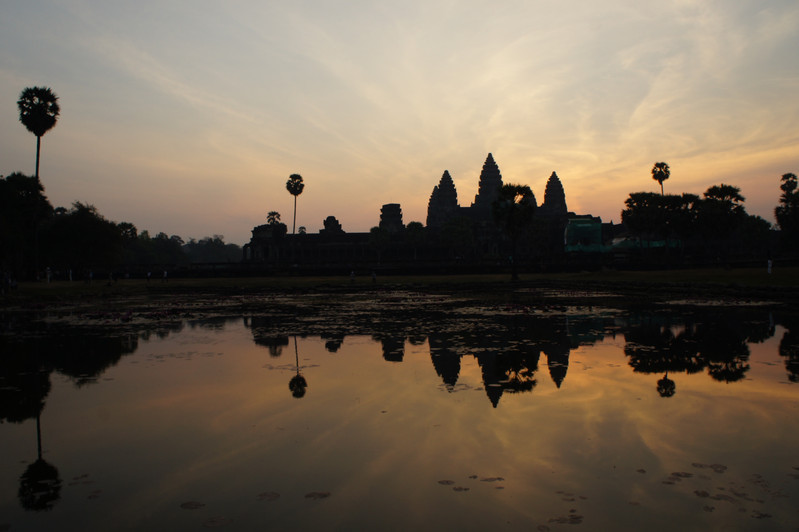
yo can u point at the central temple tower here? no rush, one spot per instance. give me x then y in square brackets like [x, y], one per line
[490, 183]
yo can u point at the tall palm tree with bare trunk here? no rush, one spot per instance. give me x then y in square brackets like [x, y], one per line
[295, 185]
[660, 173]
[38, 112]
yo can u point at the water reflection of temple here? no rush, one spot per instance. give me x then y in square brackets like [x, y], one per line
[509, 349]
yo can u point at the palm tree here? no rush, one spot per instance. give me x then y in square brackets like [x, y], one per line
[273, 218]
[295, 185]
[513, 211]
[38, 112]
[660, 173]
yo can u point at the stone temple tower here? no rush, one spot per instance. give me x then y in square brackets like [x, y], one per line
[443, 204]
[554, 198]
[391, 218]
[490, 183]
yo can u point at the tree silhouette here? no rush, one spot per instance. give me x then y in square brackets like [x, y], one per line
[23, 208]
[787, 212]
[38, 112]
[513, 211]
[415, 236]
[666, 387]
[295, 185]
[660, 173]
[273, 218]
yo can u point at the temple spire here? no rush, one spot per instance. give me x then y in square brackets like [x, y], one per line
[443, 204]
[490, 183]
[554, 198]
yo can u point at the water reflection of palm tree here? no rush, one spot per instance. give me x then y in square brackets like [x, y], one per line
[39, 485]
[666, 387]
[297, 384]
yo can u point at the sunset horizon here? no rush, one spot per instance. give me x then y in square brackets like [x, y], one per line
[189, 118]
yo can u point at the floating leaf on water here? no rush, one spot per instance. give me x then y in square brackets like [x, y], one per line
[718, 468]
[642, 471]
[316, 495]
[460, 488]
[446, 482]
[473, 477]
[217, 521]
[192, 505]
[701, 493]
[759, 515]
[499, 487]
[491, 479]
[268, 496]
[681, 474]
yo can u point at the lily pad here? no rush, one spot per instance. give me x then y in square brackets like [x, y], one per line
[192, 505]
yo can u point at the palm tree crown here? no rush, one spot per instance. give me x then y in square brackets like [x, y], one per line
[38, 109]
[660, 173]
[295, 185]
[38, 112]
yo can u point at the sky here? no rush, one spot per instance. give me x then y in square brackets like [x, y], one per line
[187, 117]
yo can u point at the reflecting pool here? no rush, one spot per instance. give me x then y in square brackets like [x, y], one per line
[499, 418]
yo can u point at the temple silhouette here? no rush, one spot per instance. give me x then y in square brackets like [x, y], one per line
[455, 236]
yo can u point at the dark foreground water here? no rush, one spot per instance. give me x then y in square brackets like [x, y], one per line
[554, 420]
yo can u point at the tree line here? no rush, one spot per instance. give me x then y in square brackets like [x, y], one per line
[35, 236]
[714, 225]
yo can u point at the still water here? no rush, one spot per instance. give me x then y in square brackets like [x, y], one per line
[597, 420]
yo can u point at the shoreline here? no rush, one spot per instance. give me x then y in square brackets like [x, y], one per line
[609, 288]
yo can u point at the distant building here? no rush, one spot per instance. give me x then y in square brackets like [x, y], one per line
[391, 218]
[455, 234]
[443, 204]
